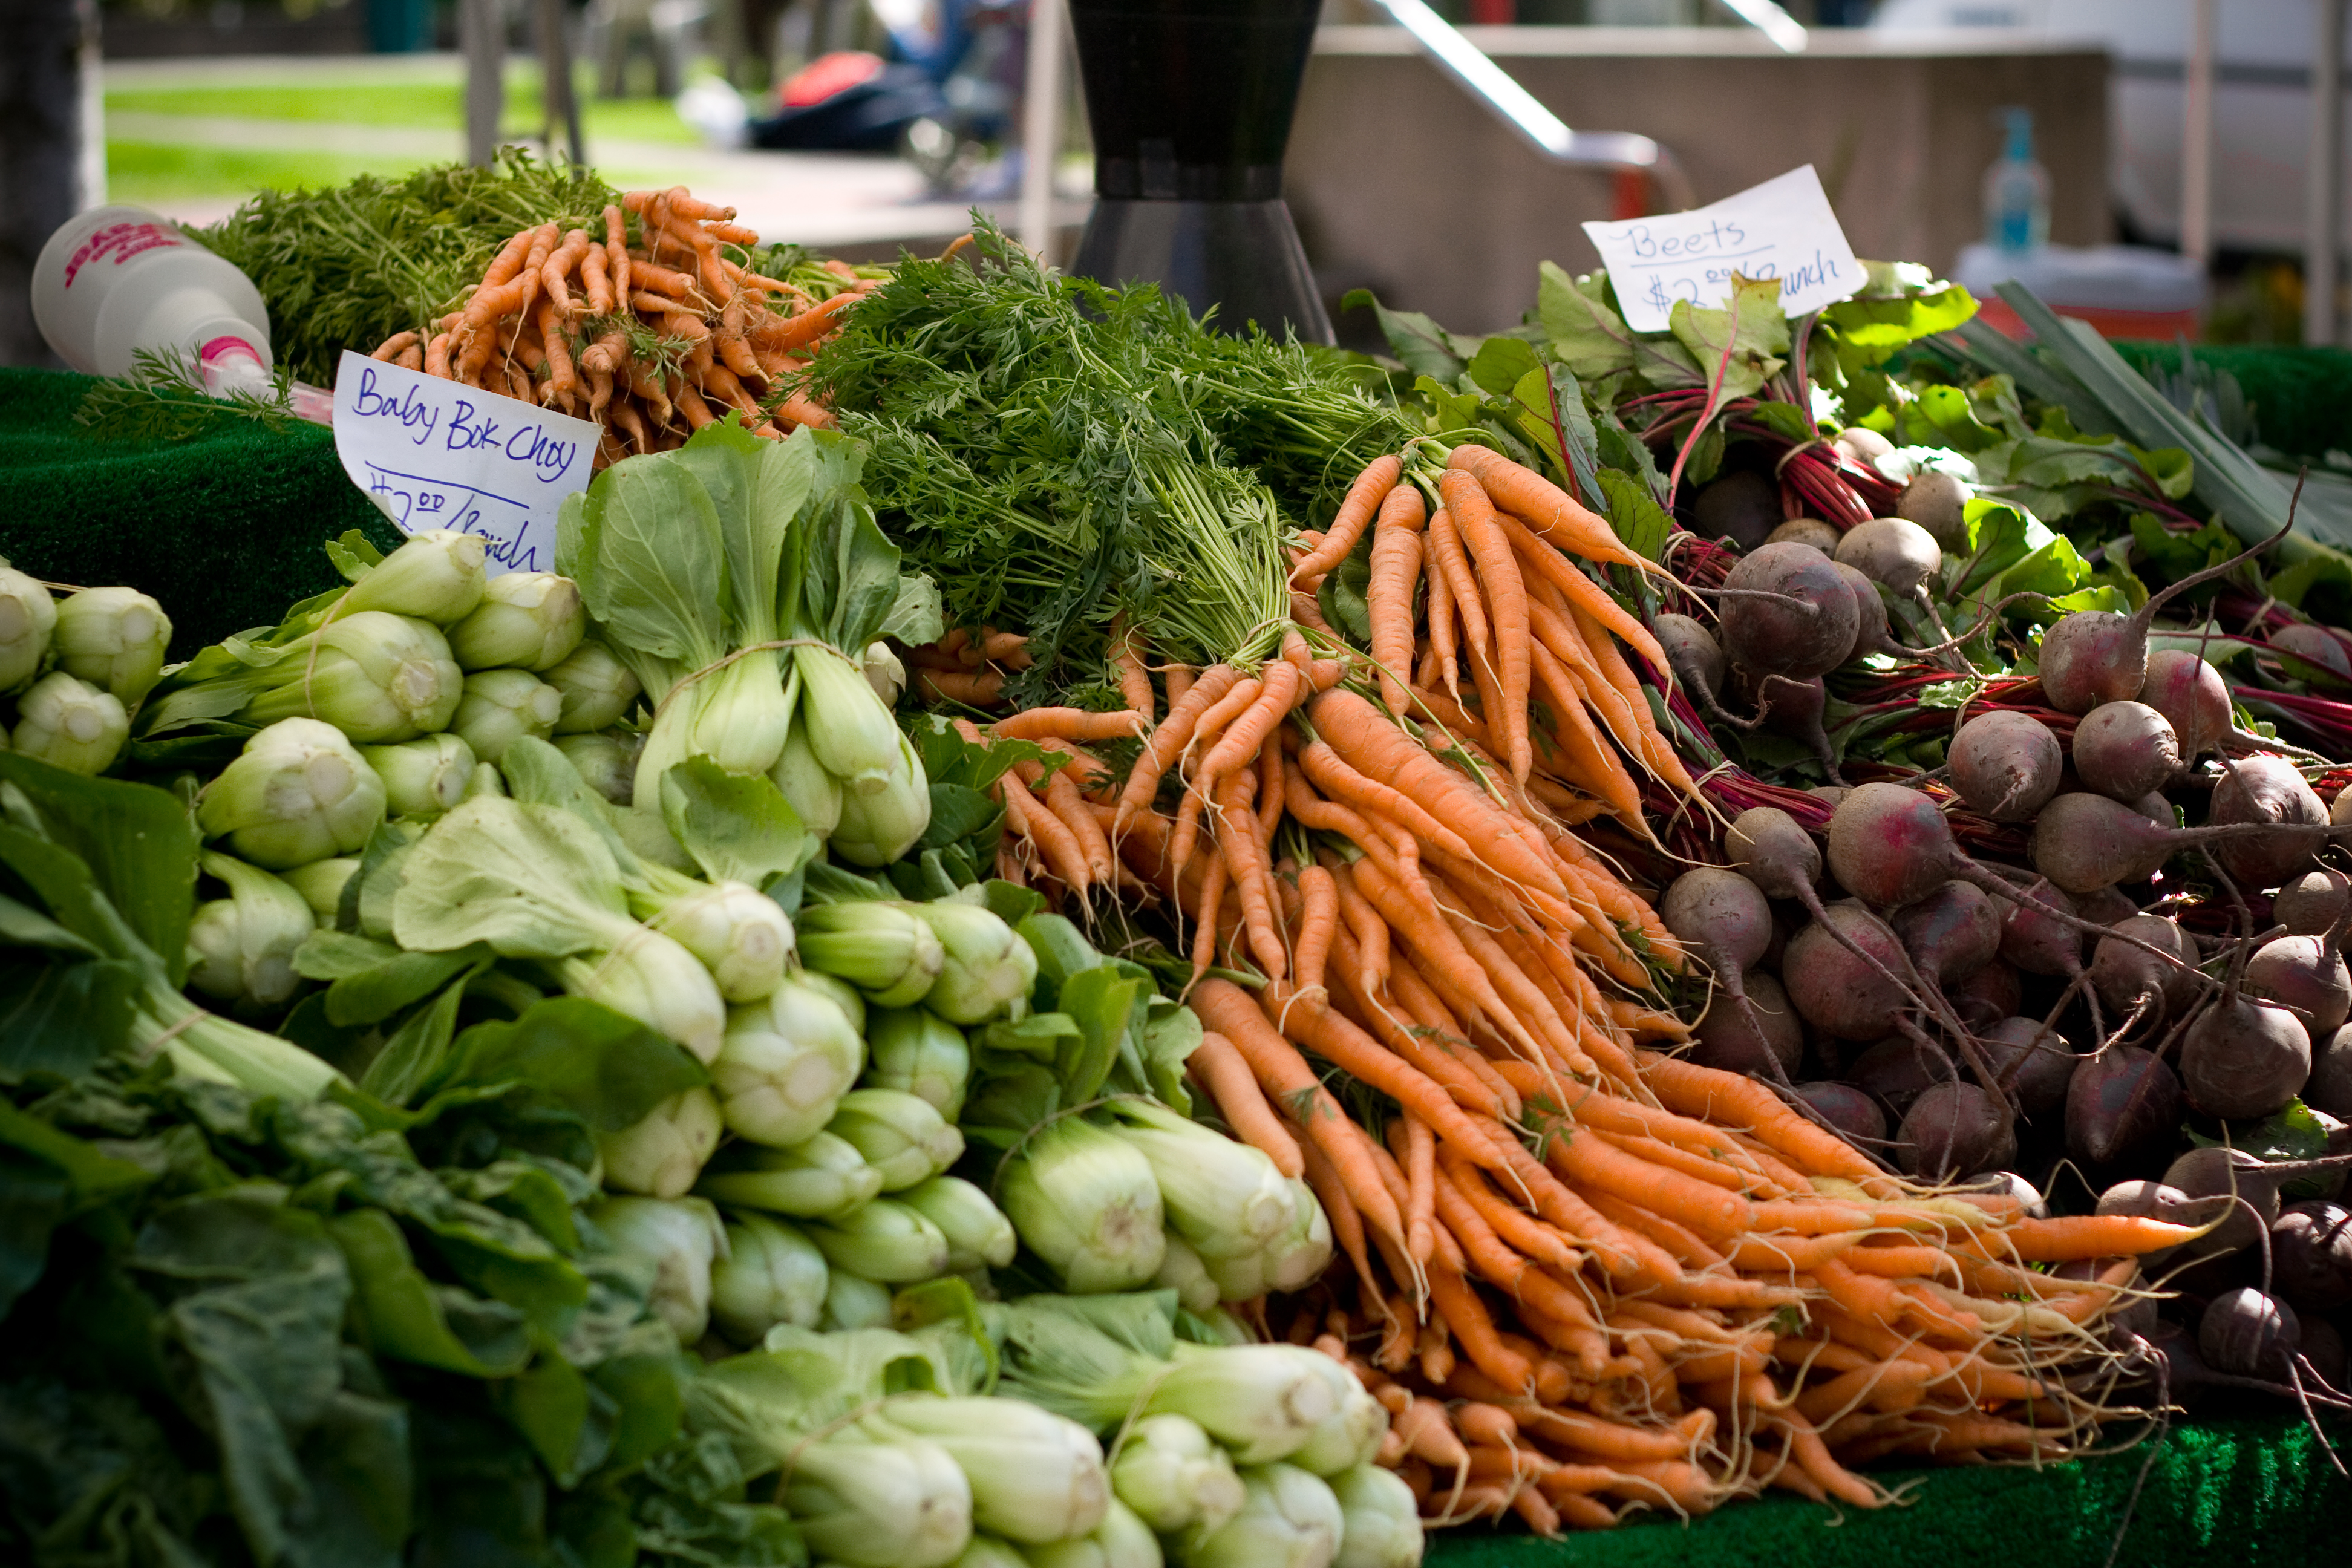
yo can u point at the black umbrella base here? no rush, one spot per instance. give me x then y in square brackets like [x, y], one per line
[1243, 257]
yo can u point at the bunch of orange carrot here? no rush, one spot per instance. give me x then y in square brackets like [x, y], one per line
[1581, 1275]
[650, 329]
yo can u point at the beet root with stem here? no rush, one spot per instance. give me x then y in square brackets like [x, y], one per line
[2306, 976]
[2124, 749]
[2121, 1108]
[2329, 1087]
[2098, 656]
[1757, 1039]
[1955, 1129]
[2249, 1333]
[1938, 503]
[2268, 791]
[2130, 976]
[2038, 943]
[1896, 1072]
[1786, 611]
[1845, 996]
[2243, 1057]
[2006, 764]
[2311, 1256]
[2033, 1063]
[1693, 655]
[2193, 699]
[1850, 1112]
[2239, 1192]
[2307, 905]
[1743, 507]
[1950, 933]
[2083, 842]
[1895, 552]
[1722, 918]
[1984, 998]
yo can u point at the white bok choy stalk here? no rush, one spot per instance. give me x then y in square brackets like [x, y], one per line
[1120, 1541]
[499, 707]
[375, 676]
[660, 1154]
[1183, 1271]
[851, 1302]
[1219, 1193]
[1175, 1476]
[28, 619]
[1246, 1268]
[978, 1233]
[889, 953]
[987, 969]
[786, 1061]
[900, 1135]
[242, 947]
[850, 729]
[114, 638]
[598, 689]
[675, 1241]
[1381, 1520]
[987, 1552]
[1086, 1202]
[1349, 1437]
[770, 1274]
[1035, 1476]
[438, 575]
[875, 827]
[527, 620]
[823, 1178]
[814, 793]
[606, 759]
[321, 885]
[536, 882]
[885, 1241]
[873, 1503]
[298, 792]
[1288, 1518]
[918, 1052]
[423, 778]
[69, 724]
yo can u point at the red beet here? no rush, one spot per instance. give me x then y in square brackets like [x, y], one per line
[1755, 1040]
[2037, 942]
[2268, 790]
[1787, 612]
[2315, 655]
[2249, 1334]
[2244, 1059]
[1722, 917]
[2193, 697]
[2121, 1108]
[1841, 994]
[1991, 994]
[1743, 507]
[1938, 503]
[2006, 764]
[2034, 1064]
[2129, 977]
[2124, 749]
[2307, 905]
[1955, 1129]
[1950, 933]
[2329, 1088]
[1693, 654]
[2306, 976]
[2097, 655]
[2311, 1252]
[1894, 551]
[1898, 1071]
[2084, 842]
[1849, 1111]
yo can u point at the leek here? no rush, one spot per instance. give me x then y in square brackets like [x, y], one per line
[915, 1051]
[822, 1178]
[527, 620]
[900, 1135]
[677, 1241]
[1084, 1201]
[884, 1241]
[785, 1063]
[298, 792]
[114, 638]
[770, 1274]
[423, 778]
[70, 725]
[1175, 1478]
[661, 1154]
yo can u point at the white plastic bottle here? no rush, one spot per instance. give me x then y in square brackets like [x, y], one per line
[116, 279]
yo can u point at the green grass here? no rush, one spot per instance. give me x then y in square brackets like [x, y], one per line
[144, 172]
[430, 106]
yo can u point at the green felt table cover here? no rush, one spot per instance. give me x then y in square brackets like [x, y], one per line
[2302, 398]
[223, 528]
[2246, 1493]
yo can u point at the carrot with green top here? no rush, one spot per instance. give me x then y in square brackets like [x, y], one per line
[1363, 501]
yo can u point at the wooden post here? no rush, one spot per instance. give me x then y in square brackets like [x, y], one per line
[556, 97]
[482, 33]
[2197, 138]
[2323, 243]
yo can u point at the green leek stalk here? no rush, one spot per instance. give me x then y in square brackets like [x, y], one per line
[879, 826]
[375, 676]
[1379, 1519]
[883, 949]
[28, 618]
[597, 688]
[1035, 1476]
[322, 884]
[501, 706]
[678, 1240]
[823, 1178]
[437, 575]
[527, 620]
[1288, 1518]
[69, 724]
[869, 1503]
[243, 946]
[814, 793]
[607, 759]
[114, 638]
[786, 1061]
[423, 778]
[770, 1274]
[1120, 1541]
[661, 1155]
[298, 792]
[916, 1052]
[988, 968]
[1175, 1478]
[900, 1135]
[884, 1241]
[978, 1233]
[1084, 1201]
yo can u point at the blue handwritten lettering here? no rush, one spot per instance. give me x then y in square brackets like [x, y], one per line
[550, 457]
[413, 412]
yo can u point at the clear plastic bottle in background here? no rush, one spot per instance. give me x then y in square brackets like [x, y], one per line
[2017, 189]
[117, 280]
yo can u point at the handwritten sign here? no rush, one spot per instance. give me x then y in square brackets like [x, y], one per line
[1782, 229]
[441, 454]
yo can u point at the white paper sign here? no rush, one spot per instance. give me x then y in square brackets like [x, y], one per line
[441, 454]
[1783, 228]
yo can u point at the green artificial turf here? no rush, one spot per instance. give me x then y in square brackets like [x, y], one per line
[2302, 398]
[223, 528]
[146, 174]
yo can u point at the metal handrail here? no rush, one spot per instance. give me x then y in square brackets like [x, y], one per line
[1501, 95]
